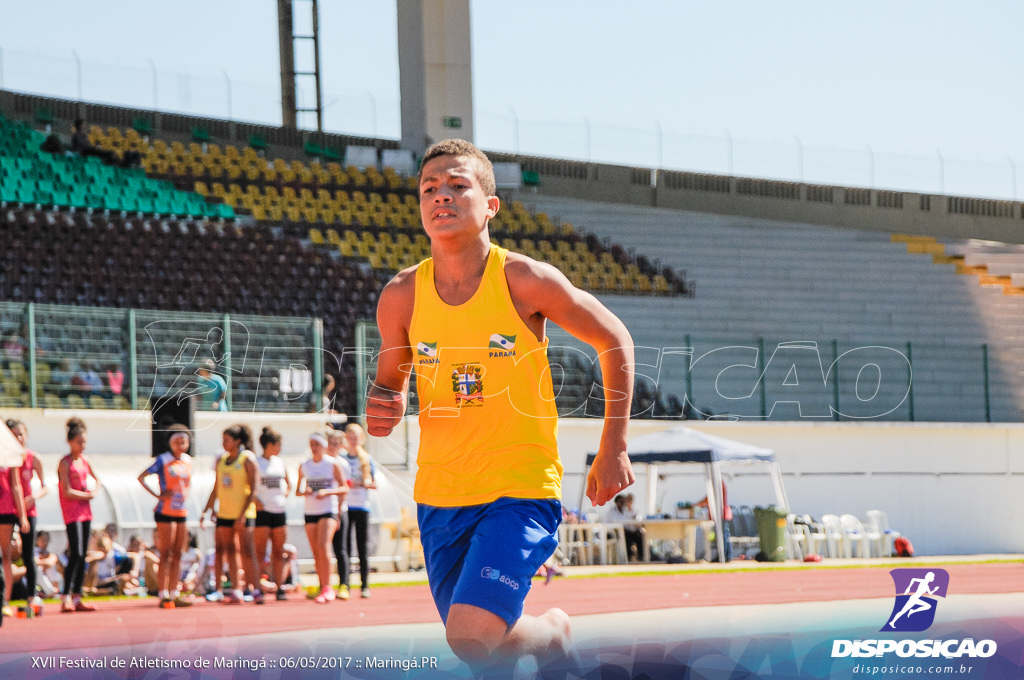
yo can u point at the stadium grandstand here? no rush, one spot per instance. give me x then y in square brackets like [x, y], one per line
[279, 228]
[841, 366]
[265, 248]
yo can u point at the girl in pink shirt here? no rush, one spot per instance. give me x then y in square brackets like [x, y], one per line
[12, 514]
[78, 485]
[31, 468]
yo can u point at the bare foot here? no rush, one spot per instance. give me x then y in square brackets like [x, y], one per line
[561, 647]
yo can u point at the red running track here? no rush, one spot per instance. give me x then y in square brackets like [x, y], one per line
[132, 622]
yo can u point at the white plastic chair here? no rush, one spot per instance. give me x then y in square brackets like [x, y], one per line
[797, 543]
[880, 523]
[815, 535]
[835, 538]
[855, 536]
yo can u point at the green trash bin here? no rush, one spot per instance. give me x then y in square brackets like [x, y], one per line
[771, 529]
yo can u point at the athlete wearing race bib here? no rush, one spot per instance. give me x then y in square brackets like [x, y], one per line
[173, 470]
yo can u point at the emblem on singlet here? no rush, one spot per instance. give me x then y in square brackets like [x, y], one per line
[468, 384]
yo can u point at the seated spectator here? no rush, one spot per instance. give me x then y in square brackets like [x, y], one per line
[291, 567]
[96, 386]
[19, 586]
[192, 566]
[102, 573]
[622, 512]
[15, 348]
[60, 378]
[145, 564]
[49, 570]
[115, 379]
[52, 144]
[81, 145]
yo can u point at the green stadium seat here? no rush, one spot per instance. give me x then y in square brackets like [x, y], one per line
[142, 125]
[257, 142]
[43, 115]
[312, 148]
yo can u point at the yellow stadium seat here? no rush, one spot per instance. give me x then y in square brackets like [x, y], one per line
[315, 235]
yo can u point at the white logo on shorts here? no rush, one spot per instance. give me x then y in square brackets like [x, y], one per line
[495, 575]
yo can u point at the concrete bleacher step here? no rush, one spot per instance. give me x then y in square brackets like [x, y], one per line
[787, 281]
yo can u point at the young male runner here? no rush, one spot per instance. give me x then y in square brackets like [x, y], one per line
[471, 322]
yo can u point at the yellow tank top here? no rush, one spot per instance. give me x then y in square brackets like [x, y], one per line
[234, 487]
[487, 410]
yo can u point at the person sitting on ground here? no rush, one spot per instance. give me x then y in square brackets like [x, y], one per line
[19, 586]
[102, 574]
[145, 564]
[49, 569]
[192, 566]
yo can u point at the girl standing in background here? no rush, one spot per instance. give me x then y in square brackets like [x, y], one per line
[77, 484]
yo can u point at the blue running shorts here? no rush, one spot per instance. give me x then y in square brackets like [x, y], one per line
[486, 555]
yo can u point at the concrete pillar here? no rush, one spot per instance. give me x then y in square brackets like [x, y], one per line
[436, 79]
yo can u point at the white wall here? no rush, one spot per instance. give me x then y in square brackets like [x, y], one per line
[951, 488]
[129, 432]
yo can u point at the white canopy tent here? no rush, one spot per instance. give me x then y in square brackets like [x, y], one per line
[682, 444]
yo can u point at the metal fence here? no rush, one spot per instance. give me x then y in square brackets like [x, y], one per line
[84, 357]
[756, 378]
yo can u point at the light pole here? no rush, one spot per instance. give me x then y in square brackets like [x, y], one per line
[78, 72]
[799, 159]
[586, 122]
[152, 68]
[373, 111]
[728, 147]
[871, 166]
[1013, 177]
[227, 81]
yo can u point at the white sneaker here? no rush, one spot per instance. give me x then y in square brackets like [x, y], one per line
[36, 601]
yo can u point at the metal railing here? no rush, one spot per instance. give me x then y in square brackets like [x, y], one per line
[748, 377]
[56, 356]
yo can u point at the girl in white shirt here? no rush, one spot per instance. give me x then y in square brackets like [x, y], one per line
[322, 483]
[271, 492]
